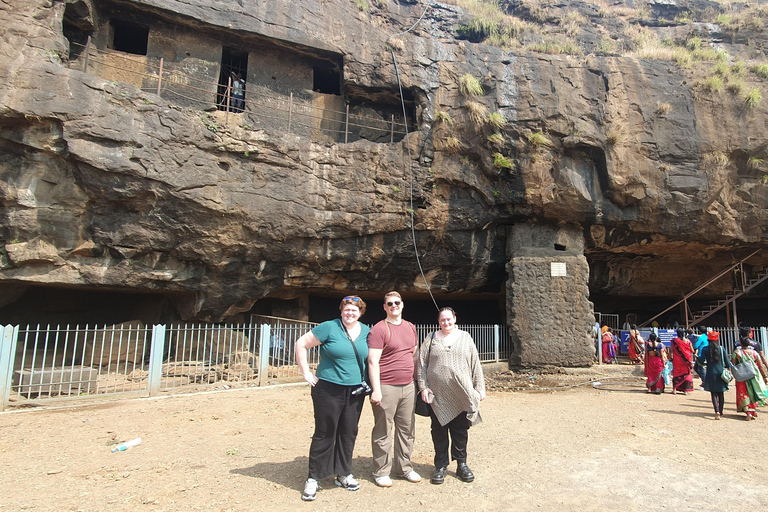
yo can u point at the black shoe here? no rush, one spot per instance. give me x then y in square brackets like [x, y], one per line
[438, 476]
[464, 473]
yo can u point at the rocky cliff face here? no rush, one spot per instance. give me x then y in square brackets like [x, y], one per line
[105, 185]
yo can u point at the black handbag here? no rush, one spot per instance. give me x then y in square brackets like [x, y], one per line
[422, 408]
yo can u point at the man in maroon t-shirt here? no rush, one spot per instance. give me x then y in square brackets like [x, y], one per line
[391, 347]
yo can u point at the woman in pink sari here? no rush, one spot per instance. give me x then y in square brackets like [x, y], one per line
[682, 363]
[609, 349]
[655, 357]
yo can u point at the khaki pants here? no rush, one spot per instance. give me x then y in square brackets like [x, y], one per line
[397, 403]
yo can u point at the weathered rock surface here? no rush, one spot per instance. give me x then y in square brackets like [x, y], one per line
[104, 185]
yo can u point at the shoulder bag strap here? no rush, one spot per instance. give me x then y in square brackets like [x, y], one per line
[357, 355]
[429, 353]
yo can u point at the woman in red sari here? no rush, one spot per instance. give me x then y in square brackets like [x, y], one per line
[682, 363]
[655, 357]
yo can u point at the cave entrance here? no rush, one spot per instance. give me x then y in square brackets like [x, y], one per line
[129, 37]
[234, 71]
[66, 306]
[376, 114]
[77, 26]
[326, 80]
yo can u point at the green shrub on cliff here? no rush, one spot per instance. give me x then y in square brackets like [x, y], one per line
[753, 97]
[470, 86]
[502, 162]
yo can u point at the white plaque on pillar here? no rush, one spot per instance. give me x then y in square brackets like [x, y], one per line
[558, 269]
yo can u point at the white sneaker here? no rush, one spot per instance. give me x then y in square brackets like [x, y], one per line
[413, 477]
[310, 490]
[383, 481]
[347, 482]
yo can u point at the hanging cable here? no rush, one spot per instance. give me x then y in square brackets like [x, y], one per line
[410, 157]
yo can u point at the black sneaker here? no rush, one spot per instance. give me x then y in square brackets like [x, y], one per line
[438, 476]
[310, 490]
[464, 473]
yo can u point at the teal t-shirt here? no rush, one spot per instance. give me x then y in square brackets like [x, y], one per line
[337, 357]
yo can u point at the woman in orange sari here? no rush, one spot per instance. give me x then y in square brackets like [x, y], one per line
[635, 345]
[682, 363]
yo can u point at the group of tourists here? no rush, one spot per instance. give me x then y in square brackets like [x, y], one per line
[704, 354]
[387, 363]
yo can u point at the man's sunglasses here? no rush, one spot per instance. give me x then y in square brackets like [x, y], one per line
[351, 298]
[393, 303]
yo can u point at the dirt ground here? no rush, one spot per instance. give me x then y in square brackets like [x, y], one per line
[581, 447]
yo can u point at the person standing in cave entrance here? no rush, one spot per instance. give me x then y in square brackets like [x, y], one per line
[392, 344]
[238, 92]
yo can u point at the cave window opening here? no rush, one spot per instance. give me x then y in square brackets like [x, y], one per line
[234, 70]
[76, 27]
[559, 247]
[326, 80]
[129, 37]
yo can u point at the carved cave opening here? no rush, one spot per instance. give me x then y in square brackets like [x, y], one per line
[77, 26]
[61, 306]
[55, 305]
[234, 70]
[326, 80]
[379, 107]
[129, 37]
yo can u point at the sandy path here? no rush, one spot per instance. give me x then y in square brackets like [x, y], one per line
[614, 448]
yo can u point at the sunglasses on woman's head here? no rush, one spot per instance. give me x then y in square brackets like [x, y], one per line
[393, 303]
[353, 299]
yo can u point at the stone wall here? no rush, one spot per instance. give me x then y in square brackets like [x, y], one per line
[550, 315]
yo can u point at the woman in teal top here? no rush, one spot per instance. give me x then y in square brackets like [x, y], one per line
[338, 393]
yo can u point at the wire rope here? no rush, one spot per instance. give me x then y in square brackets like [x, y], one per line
[410, 157]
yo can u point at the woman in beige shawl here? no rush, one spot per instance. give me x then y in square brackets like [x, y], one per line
[451, 381]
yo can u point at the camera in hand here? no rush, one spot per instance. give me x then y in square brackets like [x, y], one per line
[363, 389]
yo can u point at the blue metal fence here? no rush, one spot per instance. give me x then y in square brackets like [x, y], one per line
[67, 361]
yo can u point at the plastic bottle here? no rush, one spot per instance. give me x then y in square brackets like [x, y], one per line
[128, 444]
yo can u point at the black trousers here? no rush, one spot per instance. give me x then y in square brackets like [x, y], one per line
[717, 401]
[458, 428]
[337, 414]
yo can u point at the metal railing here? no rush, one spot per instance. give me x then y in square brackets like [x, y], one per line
[54, 361]
[729, 337]
[293, 110]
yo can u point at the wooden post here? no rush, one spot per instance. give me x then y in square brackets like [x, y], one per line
[346, 126]
[160, 76]
[87, 52]
[229, 100]
[290, 112]
[392, 132]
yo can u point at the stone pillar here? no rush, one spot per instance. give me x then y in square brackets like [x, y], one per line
[548, 307]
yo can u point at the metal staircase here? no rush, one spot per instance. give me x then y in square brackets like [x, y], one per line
[717, 305]
[692, 319]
